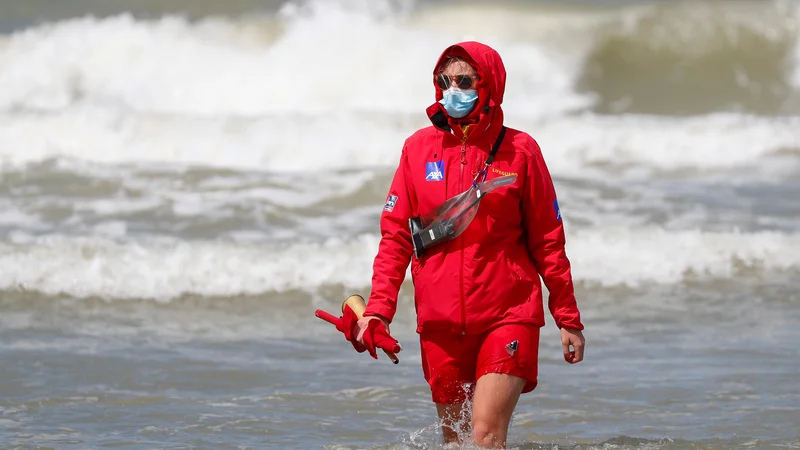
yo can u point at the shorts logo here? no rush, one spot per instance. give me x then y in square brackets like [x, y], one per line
[558, 211]
[391, 200]
[511, 347]
[434, 171]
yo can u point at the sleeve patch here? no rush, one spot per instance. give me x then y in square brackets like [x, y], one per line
[391, 201]
[558, 211]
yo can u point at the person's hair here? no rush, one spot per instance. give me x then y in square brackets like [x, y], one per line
[452, 60]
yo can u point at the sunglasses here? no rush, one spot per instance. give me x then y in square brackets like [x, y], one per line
[462, 81]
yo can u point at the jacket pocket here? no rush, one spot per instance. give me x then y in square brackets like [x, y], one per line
[523, 284]
[527, 297]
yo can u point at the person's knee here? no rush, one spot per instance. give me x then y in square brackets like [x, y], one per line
[488, 433]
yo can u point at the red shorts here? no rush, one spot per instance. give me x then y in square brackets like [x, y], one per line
[453, 363]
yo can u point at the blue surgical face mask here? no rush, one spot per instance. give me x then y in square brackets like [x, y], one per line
[457, 102]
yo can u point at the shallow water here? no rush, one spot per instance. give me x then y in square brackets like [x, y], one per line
[232, 372]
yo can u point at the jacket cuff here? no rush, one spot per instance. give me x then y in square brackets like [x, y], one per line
[376, 309]
[569, 322]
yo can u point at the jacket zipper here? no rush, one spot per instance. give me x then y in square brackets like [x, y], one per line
[461, 243]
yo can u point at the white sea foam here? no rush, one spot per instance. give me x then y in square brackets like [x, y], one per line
[651, 144]
[220, 68]
[571, 144]
[623, 256]
[166, 269]
[344, 55]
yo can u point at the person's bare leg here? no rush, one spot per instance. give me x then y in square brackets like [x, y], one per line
[453, 421]
[496, 396]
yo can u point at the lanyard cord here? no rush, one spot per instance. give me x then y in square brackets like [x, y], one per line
[490, 159]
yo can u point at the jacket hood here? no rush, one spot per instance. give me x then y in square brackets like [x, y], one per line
[491, 86]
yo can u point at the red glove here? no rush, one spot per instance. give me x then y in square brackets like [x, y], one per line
[368, 333]
[373, 332]
[347, 324]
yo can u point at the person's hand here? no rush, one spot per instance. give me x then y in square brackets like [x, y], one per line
[570, 337]
[363, 324]
[372, 332]
[367, 333]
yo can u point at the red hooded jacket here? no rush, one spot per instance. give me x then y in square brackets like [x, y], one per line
[489, 275]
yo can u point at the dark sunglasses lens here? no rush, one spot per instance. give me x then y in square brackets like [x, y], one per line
[464, 81]
[443, 81]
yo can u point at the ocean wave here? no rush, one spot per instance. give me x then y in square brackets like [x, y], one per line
[322, 57]
[166, 269]
[697, 57]
[585, 145]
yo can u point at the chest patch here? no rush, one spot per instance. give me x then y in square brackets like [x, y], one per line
[434, 171]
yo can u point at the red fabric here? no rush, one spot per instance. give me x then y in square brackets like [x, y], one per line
[348, 326]
[453, 364]
[490, 274]
[376, 336]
